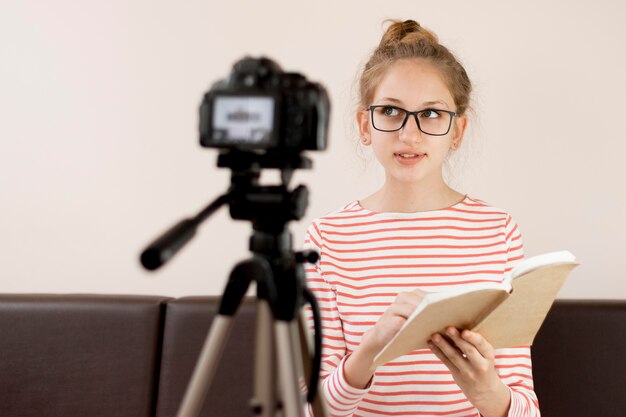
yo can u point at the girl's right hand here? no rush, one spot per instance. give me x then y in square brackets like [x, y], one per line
[391, 321]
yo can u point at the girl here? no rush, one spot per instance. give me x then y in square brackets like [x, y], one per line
[381, 254]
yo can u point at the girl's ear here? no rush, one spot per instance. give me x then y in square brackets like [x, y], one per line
[460, 124]
[363, 122]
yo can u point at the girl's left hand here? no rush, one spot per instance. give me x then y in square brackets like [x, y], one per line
[471, 360]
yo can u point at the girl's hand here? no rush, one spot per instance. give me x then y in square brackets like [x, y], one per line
[470, 358]
[357, 367]
[391, 321]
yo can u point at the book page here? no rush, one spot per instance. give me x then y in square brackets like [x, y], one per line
[532, 263]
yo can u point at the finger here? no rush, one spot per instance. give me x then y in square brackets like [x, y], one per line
[409, 298]
[468, 350]
[442, 357]
[452, 353]
[420, 293]
[481, 344]
[402, 310]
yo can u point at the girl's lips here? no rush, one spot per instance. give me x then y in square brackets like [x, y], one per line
[408, 158]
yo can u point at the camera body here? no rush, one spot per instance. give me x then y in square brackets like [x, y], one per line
[260, 107]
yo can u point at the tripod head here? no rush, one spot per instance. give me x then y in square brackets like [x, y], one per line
[269, 208]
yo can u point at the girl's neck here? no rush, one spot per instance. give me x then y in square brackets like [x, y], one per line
[403, 198]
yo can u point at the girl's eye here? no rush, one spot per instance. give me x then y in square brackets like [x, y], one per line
[390, 111]
[430, 114]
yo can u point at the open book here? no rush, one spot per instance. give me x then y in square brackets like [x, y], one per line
[506, 314]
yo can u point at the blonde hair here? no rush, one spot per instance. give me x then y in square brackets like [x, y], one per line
[408, 40]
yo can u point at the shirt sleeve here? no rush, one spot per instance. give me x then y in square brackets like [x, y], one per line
[514, 365]
[341, 398]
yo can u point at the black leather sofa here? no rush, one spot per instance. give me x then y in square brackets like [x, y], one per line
[113, 355]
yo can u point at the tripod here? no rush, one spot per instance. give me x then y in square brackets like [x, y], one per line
[278, 273]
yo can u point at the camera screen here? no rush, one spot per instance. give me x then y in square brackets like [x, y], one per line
[243, 120]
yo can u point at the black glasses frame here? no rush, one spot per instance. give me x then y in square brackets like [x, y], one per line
[406, 117]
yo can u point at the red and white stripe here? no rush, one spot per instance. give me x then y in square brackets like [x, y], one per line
[367, 258]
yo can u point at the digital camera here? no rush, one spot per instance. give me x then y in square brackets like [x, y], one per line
[260, 107]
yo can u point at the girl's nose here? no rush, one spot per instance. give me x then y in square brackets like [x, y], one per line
[410, 132]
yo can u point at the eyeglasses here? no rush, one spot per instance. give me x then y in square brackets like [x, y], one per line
[433, 122]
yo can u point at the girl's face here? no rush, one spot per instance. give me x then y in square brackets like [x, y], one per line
[409, 155]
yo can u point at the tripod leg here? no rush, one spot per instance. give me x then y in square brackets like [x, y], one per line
[264, 402]
[236, 288]
[289, 367]
[205, 367]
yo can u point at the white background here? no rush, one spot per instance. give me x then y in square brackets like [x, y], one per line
[99, 143]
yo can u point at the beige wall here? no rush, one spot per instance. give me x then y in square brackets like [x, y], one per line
[99, 147]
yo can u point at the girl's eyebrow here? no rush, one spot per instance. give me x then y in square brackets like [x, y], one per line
[432, 103]
[393, 100]
[424, 105]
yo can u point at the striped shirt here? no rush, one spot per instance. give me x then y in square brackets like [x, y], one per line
[367, 258]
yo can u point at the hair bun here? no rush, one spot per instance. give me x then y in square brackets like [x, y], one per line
[408, 31]
[409, 40]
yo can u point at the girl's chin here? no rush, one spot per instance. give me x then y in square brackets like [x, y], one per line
[406, 178]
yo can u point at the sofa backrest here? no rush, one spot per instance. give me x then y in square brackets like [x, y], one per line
[579, 361]
[112, 355]
[79, 355]
[187, 323]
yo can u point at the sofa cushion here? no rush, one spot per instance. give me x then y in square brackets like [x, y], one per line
[187, 323]
[79, 355]
[578, 359]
